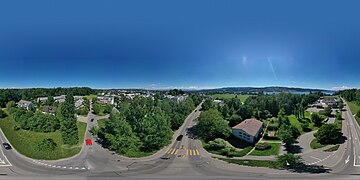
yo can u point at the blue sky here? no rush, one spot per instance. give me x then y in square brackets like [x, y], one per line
[186, 44]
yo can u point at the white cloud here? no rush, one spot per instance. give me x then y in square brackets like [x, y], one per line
[341, 88]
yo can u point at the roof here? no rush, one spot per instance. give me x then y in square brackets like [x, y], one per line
[250, 126]
[24, 103]
[49, 109]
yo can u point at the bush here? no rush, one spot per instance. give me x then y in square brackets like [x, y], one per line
[217, 144]
[16, 127]
[272, 128]
[288, 160]
[305, 127]
[46, 145]
[2, 113]
[263, 146]
[94, 130]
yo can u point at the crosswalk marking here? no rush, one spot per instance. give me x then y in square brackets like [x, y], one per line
[168, 151]
[188, 152]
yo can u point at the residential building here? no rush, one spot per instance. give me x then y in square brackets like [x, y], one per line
[42, 99]
[26, 104]
[105, 99]
[60, 99]
[49, 109]
[248, 130]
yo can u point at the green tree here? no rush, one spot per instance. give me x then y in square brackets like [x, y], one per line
[234, 120]
[317, 119]
[327, 111]
[328, 134]
[68, 128]
[156, 130]
[207, 105]
[2, 113]
[286, 135]
[118, 135]
[46, 145]
[288, 160]
[50, 101]
[10, 105]
[211, 125]
[341, 105]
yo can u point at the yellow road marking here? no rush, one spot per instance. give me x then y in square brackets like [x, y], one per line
[177, 150]
[190, 152]
[197, 152]
[187, 152]
[194, 153]
[173, 151]
[168, 152]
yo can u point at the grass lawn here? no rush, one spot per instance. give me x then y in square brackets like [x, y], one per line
[354, 108]
[316, 145]
[274, 150]
[253, 163]
[295, 122]
[25, 142]
[91, 96]
[234, 153]
[138, 154]
[332, 149]
[229, 96]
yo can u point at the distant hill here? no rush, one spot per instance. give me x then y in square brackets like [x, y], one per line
[260, 89]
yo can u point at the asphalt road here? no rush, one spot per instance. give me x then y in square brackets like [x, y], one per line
[184, 159]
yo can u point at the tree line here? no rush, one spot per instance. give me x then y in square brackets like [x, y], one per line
[16, 95]
[216, 119]
[144, 124]
[64, 120]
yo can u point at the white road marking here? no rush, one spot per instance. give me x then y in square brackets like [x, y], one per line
[315, 158]
[347, 159]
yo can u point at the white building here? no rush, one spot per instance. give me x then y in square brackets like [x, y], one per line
[106, 100]
[26, 104]
[248, 130]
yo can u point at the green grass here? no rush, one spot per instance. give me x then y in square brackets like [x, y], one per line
[314, 144]
[332, 149]
[354, 108]
[253, 163]
[138, 154]
[229, 96]
[274, 150]
[25, 142]
[296, 123]
[91, 96]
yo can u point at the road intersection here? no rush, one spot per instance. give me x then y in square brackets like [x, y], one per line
[184, 158]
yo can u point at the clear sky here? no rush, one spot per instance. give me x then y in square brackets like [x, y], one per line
[161, 44]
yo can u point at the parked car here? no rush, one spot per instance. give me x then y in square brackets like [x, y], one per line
[88, 142]
[7, 146]
[92, 120]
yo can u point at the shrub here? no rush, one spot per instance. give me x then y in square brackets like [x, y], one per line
[217, 144]
[46, 145]
[2, 113]
[16, 127]
[263, 146]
